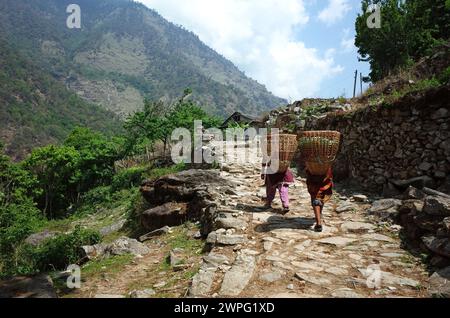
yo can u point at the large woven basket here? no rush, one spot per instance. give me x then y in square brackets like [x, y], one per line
[287, 147]
[318, 149]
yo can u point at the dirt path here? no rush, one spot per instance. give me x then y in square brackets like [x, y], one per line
[270, 255]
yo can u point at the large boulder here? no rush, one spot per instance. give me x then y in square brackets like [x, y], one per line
[439, 246]
[437, 205]
[386, 208]
[37, 238]
[428, 222]
[168, 214]
[224, 239]
[440, 283]
[40, 286]
[188, 195]
[121, 246]
[115, 227]
[184, 186]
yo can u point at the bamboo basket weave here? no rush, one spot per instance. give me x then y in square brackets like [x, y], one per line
[319, 150]
[287, 148]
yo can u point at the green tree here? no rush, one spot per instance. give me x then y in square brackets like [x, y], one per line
[384, 48]
[58, 175]
[157, 121]
[410, 29]
[186, 112]
[428, 23]
[97, 156]
[146, 127]
[19, 216]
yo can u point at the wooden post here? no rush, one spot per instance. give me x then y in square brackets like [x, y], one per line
[361, 82]
[354, 86]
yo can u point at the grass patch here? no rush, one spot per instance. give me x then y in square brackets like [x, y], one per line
[189, 274]
[181, 238]
[112, 265]
[165, 265]
[160, 172]
[98, 209]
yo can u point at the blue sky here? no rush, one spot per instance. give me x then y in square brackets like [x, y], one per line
[296, 48]
[340, 36]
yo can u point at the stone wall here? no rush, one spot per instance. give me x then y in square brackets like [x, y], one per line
[386, 144]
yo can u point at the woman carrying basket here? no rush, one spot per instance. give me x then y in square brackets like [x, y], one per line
[320, 188]
[278, 181]
[319, 150]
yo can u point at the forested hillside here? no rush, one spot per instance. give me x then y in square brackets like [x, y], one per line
[125, 52]
[36, 110]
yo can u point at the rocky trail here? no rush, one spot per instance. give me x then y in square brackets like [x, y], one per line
[265, 254]
[236, 249]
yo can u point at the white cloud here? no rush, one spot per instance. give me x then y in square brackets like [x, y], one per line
[334, 12]
[348, 42]
[259, 37]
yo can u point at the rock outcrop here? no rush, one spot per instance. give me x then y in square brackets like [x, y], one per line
[121, 246]
[188, 195]
[426, 224]
[40, 286]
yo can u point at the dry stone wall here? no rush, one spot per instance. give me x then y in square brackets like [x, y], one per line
[388, 144]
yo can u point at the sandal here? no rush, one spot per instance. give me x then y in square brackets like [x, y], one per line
[318, 228]
[286, 211]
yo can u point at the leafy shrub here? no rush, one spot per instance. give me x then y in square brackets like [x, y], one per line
[57, 172]
[17, 222]
[128, 178]
[19, 216]
[444, 78]
[99, 195]
[97, 157]
[426, 84]
[59, 252]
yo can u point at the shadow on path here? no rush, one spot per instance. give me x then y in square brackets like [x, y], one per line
[252, 208]
[279, 222]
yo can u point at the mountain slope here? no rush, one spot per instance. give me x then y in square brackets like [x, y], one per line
[36, 110]
[125, 52]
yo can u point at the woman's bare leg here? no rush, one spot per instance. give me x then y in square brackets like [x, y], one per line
[318, 214]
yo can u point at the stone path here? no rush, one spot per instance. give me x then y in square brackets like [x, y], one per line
[265, 254]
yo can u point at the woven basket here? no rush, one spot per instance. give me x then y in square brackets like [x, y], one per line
[318, 149]
[287, 147]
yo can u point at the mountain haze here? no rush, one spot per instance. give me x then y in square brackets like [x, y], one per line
[126, 52]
